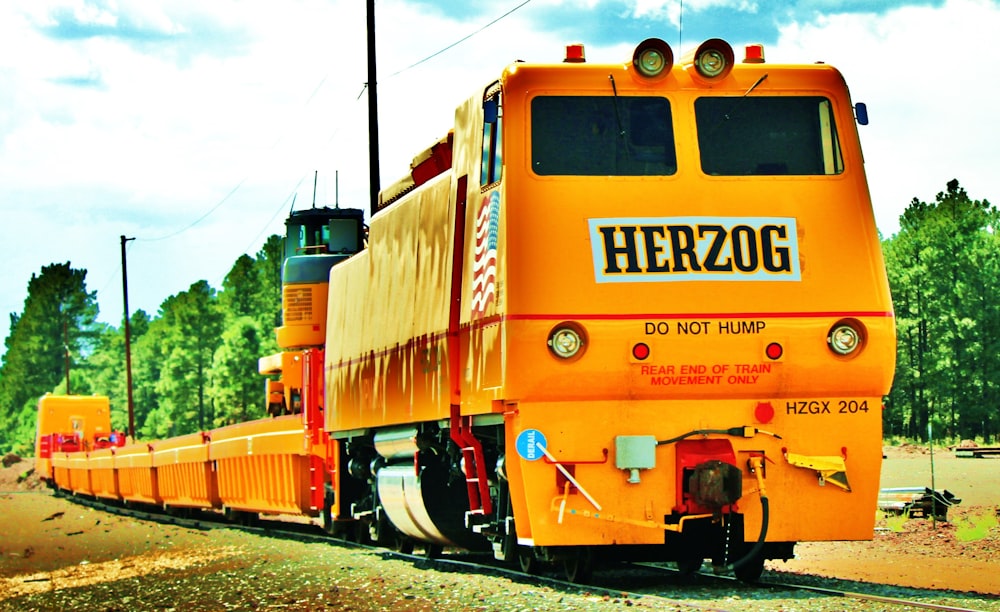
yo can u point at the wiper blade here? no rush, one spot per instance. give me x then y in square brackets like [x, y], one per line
[754, 86]
[726, 116]
[618, 115]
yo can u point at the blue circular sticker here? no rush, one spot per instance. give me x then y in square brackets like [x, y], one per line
[527, 444]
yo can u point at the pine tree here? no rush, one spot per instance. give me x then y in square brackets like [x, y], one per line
[48, 342]
[943, 268]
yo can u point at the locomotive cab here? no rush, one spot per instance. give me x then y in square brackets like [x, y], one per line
[71, 423]
[316, 239]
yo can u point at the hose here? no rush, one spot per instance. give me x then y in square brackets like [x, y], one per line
[759, 545]
[743, 431]
[756, 465]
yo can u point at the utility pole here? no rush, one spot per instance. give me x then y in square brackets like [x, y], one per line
[374, 180]
[128, 344]
[66, 349]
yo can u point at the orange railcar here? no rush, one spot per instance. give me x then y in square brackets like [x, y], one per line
[185, 475]
[267, 466]
[103, 476]
[137, 479]
[71, 423]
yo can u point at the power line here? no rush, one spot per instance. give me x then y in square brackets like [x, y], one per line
[461, 40]
[201, 218]
[309, 100]
[277, 211]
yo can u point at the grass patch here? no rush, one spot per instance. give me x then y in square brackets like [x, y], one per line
[975, 526]
[896, 522]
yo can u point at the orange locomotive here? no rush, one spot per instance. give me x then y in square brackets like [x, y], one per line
[630, 311]
[638, 295]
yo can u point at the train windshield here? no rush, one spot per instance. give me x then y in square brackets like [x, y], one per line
[767, 136]
[602, 136]
[305, 238]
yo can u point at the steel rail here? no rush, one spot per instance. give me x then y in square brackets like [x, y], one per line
[312, 532]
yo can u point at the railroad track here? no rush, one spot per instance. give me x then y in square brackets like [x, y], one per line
[654, 585]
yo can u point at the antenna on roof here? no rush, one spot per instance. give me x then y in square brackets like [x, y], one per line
[680, 27]
[336, 188]
[315, 176]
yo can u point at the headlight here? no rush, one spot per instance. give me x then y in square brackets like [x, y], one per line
[711, 63]
[845, 337]
[567, 340]
[713, 59]
[653, 58]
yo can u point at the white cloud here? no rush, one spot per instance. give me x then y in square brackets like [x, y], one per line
[925, 74]
[674, 10]
[195, 105]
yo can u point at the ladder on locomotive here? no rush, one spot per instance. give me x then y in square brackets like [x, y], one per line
[473, 464]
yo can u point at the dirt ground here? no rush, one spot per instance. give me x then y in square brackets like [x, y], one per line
[921, 552]
[48, 544]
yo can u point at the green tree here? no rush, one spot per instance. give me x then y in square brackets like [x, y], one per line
[106, 367]
[52, 337]
[237, 388]
[251, 303]
[238, 288]
[193, 324]
[942, 269]
[267, 305]
[253, 288]
[183, 366]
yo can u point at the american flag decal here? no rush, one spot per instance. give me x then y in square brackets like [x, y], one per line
[484, 267]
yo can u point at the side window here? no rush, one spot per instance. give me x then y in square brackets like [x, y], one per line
[767, 136]
[492, 160]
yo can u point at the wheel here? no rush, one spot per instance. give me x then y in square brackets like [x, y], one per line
[433, 551]
[403, 544]
[346, 531]
[383, 532]
[361, 533]
[580, 565]
[329, 525]
[750, 570]
[526, 560]
[690, 566]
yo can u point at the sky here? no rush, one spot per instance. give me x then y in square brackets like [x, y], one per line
[194, 127]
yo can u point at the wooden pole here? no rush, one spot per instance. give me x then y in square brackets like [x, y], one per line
[374, 181]
[128, 344]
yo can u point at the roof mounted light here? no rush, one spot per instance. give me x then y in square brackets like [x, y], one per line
[575, 54]
[753, 54]
[713, 59]
[653, 58]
